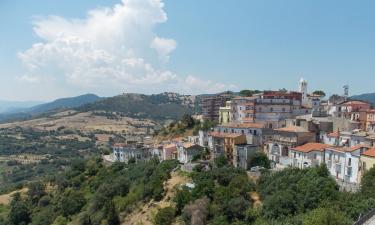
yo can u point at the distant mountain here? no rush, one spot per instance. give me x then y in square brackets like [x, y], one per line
[59, 104]
[157, 107]
[369, 97]
[64, 103]
[13, 106]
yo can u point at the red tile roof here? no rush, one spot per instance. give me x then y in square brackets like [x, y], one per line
[334, 134]
[243, 125]
[295, 129]
[169, 146]
[311, 147]
[188, 145]
[225, 135]
[346, 149]
[354, 148]
[370, 152]
[356, 102]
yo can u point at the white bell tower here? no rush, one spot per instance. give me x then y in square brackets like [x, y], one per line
[303, 90]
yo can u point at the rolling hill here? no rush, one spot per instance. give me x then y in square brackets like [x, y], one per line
[64, 103]
[37, 110]
[369, 97]
[165, 106]
[14, 106]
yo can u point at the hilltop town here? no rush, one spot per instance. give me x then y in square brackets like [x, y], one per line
[293, 128]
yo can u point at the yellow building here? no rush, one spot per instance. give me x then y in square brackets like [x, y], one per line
[225, 114]
[367, 160]
[224, 143]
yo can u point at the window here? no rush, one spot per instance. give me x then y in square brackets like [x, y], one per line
[350, 172]
[294, 154]
[350, 162]
[364, 166]
[271, 109]
[255, 132]
[283, 109]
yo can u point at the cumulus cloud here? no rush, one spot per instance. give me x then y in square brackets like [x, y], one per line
[113, 49]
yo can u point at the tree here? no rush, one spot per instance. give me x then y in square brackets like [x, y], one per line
[320, 93]
[260, 159]
[19, 211]
[181, 199]
[280, 205]
[249, 93]
[197, 212]
[36, 191]
[327, 216]
[221, 161]
[368, 183]
[112, 217]
[236, 208]
[71, 202]
[165, 216]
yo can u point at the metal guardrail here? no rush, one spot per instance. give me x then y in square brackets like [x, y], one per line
[365, 218]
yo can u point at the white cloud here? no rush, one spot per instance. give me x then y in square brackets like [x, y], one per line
[164, 47]
[111, 50]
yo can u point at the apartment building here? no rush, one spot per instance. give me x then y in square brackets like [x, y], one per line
[211, 105]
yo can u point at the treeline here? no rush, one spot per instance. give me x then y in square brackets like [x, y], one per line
[56, 154]
[90, 194]
[186, 124]
[156, 107]
[290, 197]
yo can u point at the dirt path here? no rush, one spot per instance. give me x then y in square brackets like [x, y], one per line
[7, 198]
[256, 198]
[145, 214]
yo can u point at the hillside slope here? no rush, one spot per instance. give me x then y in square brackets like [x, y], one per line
[64, 103]
[156, 107]
[42, 110]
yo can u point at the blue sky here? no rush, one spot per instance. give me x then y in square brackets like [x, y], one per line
[204, 46]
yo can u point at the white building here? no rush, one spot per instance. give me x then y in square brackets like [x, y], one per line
[203, 138]
[308, 155]
[343, 163]
[187, 151]
[124, 152]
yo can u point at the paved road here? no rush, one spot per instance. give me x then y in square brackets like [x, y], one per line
[370, 221]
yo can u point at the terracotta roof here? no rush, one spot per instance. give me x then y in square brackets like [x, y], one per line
[188, 145]
[169, 146]
[334, 134]
[355, 102]
[243, 125]
[346, 149]
[354, 148]
[370, 152]
[225, 135]
[295, 129]
[178, 139]
[311, 147]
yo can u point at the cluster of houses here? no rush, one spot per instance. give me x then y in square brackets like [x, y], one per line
[293, 128]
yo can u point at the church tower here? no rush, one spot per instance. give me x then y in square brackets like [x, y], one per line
[303, 90]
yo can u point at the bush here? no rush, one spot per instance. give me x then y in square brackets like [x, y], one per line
[165, 216]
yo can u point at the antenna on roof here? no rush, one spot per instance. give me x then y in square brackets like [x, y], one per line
[346, 92]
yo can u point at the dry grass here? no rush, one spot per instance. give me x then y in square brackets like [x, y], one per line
[7, 198]
[86, 122]
[145, 214]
